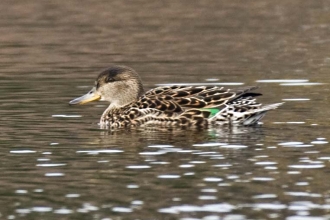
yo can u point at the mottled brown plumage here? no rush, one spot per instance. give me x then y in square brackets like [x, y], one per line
[182, 106]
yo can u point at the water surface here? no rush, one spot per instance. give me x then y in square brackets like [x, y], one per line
[57, 164]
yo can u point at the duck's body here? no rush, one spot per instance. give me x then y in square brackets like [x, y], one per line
[180, 106]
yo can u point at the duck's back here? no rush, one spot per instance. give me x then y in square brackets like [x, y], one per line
[181, 98]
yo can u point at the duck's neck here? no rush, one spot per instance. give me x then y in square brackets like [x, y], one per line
[113, 107]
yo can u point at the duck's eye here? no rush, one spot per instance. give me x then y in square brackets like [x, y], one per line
[109, 79]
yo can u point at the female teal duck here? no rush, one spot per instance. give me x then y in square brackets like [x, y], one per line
[182, 106]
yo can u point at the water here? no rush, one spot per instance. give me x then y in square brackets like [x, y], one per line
[57, 164]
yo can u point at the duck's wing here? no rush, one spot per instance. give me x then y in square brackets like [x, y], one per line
[212, 97]
[178, 98]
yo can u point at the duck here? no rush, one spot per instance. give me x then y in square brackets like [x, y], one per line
[171, 106]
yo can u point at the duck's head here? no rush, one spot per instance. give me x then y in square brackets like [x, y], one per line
[119, 85]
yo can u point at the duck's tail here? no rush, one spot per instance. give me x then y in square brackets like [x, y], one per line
[242, 114]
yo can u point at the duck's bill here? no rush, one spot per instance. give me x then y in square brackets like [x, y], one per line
[89, 97]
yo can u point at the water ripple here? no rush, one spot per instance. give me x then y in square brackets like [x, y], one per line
[138, 167]
[209, 145]
[296, 99]
[282, 80]
[295, 144]
[234, 146]
[23, 211]
[265, 196]
[107, 151]
[319, 142]
[63, 211]
[41, 209]
[168, 176]
[161, 146]
[305, 194]
[121, 209]
[212, 179]
[263, 179]
[207, 197]
[302, 84]
[22, 151]
[51, 165]
[54, 174]
[307, 166]
[299, 217]
[72, 195]
[270, 206]
[21, 191]
[66, 116]
[221, 208]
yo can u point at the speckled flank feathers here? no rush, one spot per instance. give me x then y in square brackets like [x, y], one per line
[173, 106]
